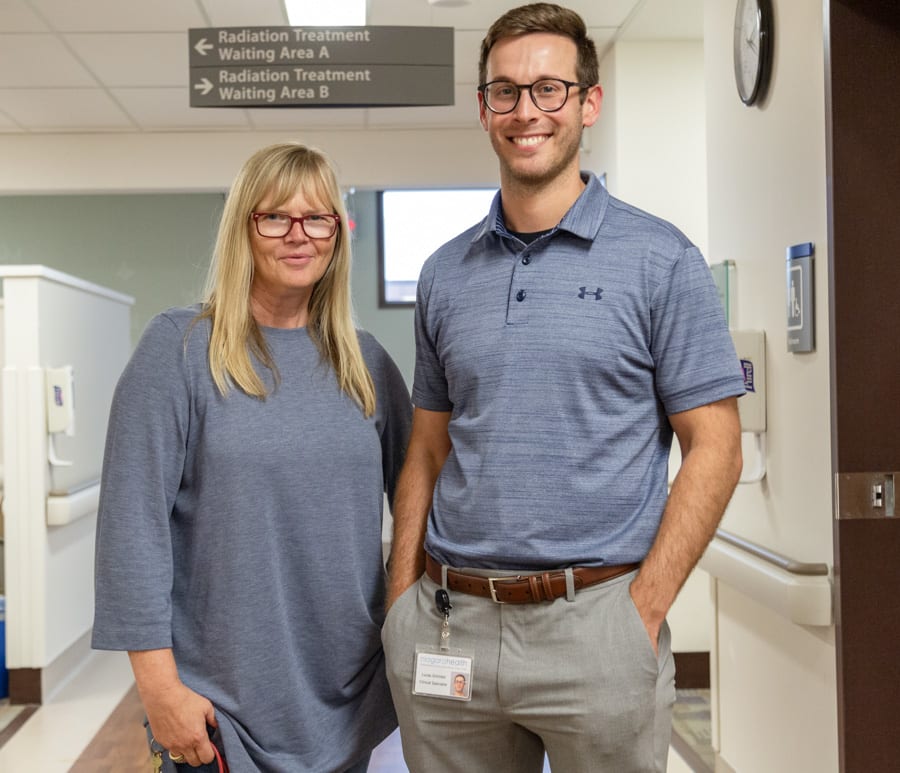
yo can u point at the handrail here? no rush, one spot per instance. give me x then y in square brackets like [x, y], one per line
[63, 509]
[802, 593]
[777, 559]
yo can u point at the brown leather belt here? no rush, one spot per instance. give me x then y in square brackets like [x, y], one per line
[527, 588]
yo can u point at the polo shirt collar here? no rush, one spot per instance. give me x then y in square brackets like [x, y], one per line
[583, 218]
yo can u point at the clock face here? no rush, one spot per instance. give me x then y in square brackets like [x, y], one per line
[752, 36]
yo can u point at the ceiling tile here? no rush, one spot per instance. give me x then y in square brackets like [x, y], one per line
[28, 61]
[603, 38]
[240, 13]
[16, 16]
[480, 14]
[64, 109]
[118, 51]
[7, 124]
[134, 59]
[119, 15]
[609, 13]
[399, 13]
[663, 19]
[318, 118]
[163, 109]
[462, 114]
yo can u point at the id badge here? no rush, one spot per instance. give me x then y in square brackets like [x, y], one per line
[442, 674]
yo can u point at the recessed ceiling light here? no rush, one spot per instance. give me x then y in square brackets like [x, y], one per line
[448, 3]
[333, 13]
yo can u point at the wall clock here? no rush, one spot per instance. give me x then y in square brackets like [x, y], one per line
[753, 38]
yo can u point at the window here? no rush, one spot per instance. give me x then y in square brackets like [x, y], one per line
[413, 224]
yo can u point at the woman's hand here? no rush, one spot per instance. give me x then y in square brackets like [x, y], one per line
[178, 716]
[178, 720]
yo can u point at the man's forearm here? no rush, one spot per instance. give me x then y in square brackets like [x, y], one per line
[428, 449]
[709, 472]
[695, 507]
[411, 505]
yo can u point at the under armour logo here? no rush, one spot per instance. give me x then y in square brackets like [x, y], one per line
[584, 292]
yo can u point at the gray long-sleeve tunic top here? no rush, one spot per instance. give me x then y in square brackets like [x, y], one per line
[246, 535]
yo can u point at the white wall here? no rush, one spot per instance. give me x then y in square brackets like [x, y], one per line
[191, 162]
[650, 141]
[660, 131]
[600, 154]
[776, 696]
[52, 320]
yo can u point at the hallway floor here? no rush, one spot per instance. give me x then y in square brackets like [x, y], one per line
[94, 725]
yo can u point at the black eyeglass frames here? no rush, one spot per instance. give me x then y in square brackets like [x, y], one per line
[548, 94]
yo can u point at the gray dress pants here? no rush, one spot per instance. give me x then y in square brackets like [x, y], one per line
[577, 679]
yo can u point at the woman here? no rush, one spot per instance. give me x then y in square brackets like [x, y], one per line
[250, 441]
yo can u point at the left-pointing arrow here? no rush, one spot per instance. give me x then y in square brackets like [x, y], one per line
[202, 47]
[204, 87]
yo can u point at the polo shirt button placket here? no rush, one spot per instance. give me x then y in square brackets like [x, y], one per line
[516, 312]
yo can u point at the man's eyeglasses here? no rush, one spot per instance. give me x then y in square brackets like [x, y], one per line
[275, 225]
[549, 94]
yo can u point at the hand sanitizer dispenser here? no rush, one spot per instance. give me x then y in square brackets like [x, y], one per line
[751, 351]
[60, 408]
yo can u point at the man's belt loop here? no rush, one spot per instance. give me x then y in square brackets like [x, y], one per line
[548, 588]
[536, 588]
[570, 584]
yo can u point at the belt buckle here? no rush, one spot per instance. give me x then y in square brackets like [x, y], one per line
[491, 581]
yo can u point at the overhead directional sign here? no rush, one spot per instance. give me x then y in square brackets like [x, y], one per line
[321, 66]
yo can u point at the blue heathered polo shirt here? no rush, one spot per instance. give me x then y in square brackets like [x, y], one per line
[560, 362]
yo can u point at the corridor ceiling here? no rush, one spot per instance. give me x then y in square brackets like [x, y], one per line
[121, 66]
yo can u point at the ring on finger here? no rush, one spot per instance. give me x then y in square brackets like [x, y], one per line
[176, 757]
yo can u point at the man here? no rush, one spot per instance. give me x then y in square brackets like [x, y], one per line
[559, 344]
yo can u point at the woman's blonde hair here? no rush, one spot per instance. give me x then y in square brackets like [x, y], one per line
[278, 173]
